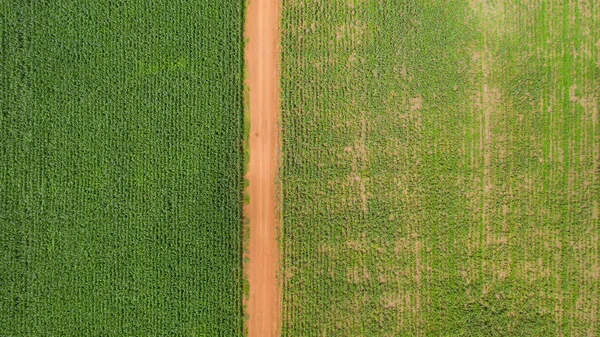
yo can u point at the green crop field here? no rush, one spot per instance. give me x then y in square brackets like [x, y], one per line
[441, 164]
[121, 168]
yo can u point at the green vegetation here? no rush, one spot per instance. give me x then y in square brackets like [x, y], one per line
[441, 164]
[121, 130]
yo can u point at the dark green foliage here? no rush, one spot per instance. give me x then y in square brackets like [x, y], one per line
[121, 130]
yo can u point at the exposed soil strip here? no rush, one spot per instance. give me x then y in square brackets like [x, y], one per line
[262, 61]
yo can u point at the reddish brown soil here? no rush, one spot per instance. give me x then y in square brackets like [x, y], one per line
[262, 61]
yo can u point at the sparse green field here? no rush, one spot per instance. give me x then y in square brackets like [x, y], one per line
[121, 168]
[441, 164]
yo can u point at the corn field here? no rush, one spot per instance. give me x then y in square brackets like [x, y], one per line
[440, 168]
[439, 175]
[121, 168]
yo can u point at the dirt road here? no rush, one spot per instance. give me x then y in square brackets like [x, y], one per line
[262, 61]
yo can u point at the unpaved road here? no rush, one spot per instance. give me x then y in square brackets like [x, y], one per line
[262, 61]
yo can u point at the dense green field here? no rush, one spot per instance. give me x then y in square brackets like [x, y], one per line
[121, 168]
[441, 164]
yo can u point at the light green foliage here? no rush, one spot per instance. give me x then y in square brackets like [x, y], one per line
[121, 129]
[440, 168]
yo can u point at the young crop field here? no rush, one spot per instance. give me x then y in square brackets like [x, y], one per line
[121, 168]
[441, 164]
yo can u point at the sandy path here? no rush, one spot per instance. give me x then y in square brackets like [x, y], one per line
[262, 61]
